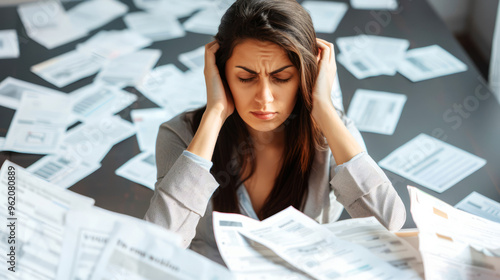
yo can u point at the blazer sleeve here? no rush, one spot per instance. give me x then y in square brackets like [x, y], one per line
[183, 188]
[364, 189]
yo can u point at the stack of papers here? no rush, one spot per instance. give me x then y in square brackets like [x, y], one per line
[94, 14]
[325, 16]
[432, 163]
[375, 4]
[9, 44]
[376, 111]
[47, 23]
[155, 26]
[367, 56]
[454, 244]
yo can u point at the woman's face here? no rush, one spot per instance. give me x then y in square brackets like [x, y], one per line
[264, 83]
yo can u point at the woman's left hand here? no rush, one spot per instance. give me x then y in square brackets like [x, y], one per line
[327, 70]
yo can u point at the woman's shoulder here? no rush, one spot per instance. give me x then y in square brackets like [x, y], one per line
[179, 125]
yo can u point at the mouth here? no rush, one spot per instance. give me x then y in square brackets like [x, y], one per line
[263, 115]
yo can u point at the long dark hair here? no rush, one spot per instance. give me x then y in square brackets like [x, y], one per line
[287, 24]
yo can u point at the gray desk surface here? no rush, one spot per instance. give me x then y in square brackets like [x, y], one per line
[478, 131]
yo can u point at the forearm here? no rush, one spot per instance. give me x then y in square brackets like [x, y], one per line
[205, 138]
[341, 142]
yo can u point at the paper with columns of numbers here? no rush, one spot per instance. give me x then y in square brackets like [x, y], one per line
[11, 91]
[376, 111]
[432, 163]
[480, 205]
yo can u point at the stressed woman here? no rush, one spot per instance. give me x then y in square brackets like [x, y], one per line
[269, 136]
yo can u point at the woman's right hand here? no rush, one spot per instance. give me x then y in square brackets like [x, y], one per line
[219, 99]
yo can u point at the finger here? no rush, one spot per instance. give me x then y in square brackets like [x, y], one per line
[328, 48]
[325, 50]
[210, 50]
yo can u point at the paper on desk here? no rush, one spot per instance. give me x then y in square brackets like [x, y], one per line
[376, 111]
[480, 205]
[138, 253]
[369, 233]
[40, 209]
[38, 125]
[91, 141]
[375, 4]
[47, 23]
[312, 248]
[140, 169]
[111, 44]
[156, 86]
[156, 26]
[432, 163]
[454, 244]
[364, 65]
[246, 259]
[87, 234]
[193, 59]
[11, 91]
[429, 62]
[98, 100]
[9, 44]
[68, 68]
[178, 8]
[128, 69]
[147, 122]
[207, 20]
[63, 169]
[96, 13]
[325, 16]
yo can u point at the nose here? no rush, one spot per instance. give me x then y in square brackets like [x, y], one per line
[264, 93]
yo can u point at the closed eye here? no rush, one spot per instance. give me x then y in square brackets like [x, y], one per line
[246, 80]
[281, 81]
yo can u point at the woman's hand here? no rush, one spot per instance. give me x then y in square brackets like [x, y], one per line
[219, 100]
[327, 70]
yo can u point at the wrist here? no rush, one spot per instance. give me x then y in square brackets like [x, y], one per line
[323, 111]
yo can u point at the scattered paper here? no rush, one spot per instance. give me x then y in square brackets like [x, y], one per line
[432, 163]
[480, 205]
[207, 20]
[96, 101]
[193, 59]
[112, 44]
[38, 214]
[96, 13]
[147, 122]
[140, 169]
[47, 23]
[11, 91]
[156, 26]
[325, 16]
[63, 170]
[375, 4]
[129, 69]
[177, 8]
[429, 62]
[9, 44]
[454, 244]
[68, 68]
[376, 111]
[38, 125]
[156, 86]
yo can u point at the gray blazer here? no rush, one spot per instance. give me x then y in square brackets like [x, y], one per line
[181, 200]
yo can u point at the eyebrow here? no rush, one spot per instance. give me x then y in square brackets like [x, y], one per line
[272, 73]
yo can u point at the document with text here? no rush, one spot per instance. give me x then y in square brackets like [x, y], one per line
[326, 16]
[480, 205]
[140, 169]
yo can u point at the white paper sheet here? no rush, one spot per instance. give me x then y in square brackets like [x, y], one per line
[97, 101]
[63, 170]
[147, 122]
[128, 69]
[38, 125]
[40, 208]
[140, 169]
[432, 163]
[47, 23]
[156, 86]
[376, 111]
[454, 244]
[193, 59]
[11, 91]
[113, 43]
[375, 4]
[156, 26]
[248, 260]
[138, 253]
[371, 234]
[96, 13]
[207, 20]
[9, 44]
[313, 249]
[91, 141]
[326, 16]
[429, 62]
[480, 205]
[364, 65]
[68, 68]
[87, 234]
[177, 8]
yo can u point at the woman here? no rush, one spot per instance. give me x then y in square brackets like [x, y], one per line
[271, 131]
